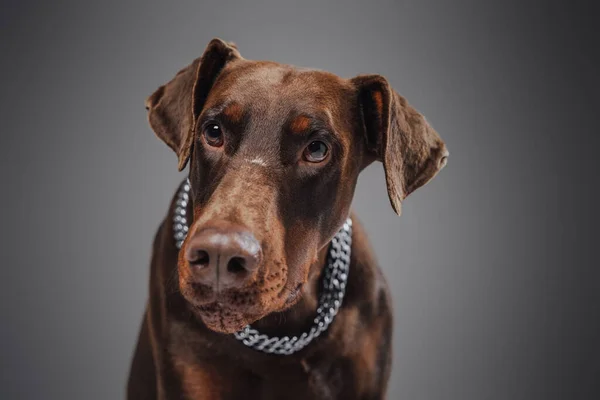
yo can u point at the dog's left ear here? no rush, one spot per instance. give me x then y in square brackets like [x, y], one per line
[174, 107]
[412, 153]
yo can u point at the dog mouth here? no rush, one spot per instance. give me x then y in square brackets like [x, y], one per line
[294, 296]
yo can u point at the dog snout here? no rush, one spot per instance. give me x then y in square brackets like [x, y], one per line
[223, 256]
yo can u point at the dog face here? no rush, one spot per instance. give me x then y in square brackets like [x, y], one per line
[275, 152]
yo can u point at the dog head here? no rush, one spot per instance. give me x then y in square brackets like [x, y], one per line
[275, 152]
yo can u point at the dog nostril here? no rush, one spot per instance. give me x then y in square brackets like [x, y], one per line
[200, 258]
[236, 265]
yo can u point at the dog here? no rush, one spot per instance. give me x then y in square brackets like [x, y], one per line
[275, 292]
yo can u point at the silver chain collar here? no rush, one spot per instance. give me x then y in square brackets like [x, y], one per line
[335, 276]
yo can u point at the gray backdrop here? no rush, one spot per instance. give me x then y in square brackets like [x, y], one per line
[495, 283]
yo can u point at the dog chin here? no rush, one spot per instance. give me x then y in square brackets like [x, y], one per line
[220, 318]
[223, 320]
[222, 326]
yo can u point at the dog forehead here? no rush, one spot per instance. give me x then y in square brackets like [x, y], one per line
[275, 86]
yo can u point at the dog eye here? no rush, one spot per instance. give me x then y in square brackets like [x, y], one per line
[316, 151]
[213, 134]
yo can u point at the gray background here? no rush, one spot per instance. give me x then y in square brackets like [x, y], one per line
[495, 283]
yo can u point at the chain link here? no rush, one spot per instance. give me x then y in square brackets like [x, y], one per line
[335, 277]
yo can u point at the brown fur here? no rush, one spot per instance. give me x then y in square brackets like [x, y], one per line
[258, 179]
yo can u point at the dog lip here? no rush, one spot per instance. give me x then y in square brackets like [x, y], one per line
[217, 307]
[294, 294]
[213, 307]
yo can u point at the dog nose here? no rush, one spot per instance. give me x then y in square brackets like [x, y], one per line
[223, 256]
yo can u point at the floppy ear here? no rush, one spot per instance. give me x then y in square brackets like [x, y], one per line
[399, 136]
[174, 107]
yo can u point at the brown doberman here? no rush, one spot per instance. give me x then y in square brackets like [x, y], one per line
[274, 153]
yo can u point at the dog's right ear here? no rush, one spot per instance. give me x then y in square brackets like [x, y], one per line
[174, 107]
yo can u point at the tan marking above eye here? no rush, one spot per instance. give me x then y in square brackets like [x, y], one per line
[234, 112]
[300, 124]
